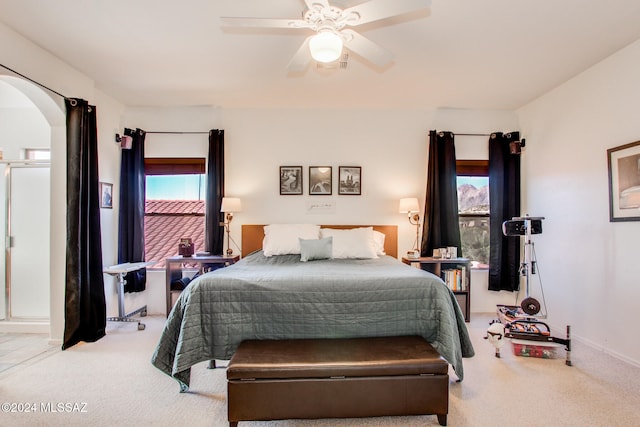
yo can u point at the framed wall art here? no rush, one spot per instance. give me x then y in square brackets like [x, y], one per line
[320, 180]
[290, 180]
[624, 182]
[350, 180]
[106, 195]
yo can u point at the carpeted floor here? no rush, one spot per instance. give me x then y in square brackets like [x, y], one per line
[112, 383]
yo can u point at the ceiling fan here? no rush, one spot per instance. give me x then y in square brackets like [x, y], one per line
[330, 24]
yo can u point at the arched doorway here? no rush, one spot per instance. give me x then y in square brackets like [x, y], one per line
[32, 121]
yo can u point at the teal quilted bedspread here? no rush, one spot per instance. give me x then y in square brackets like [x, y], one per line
[282, 298]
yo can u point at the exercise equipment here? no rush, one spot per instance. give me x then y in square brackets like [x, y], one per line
[522, 322]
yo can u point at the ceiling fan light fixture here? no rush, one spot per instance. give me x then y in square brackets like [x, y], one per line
[326, 46]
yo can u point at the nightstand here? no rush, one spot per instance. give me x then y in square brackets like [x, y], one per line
[456, 273]
[176, 265]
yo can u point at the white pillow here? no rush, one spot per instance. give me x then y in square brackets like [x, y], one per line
[283, 239]
[353, 243]
[378, 240]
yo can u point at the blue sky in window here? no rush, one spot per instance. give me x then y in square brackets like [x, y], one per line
[175, 187]
[476, 181]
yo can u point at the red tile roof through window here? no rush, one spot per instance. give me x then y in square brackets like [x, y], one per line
[168, 221]
[174, 207]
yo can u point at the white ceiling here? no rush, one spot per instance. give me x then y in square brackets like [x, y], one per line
[484, 54]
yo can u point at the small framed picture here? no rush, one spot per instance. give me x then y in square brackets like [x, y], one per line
[320, 180]
[350, 180]
[624, 182]
[106, 195]
[290, 180]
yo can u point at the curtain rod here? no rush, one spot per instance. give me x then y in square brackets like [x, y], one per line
[33, 81]
[441, 132]
[472, 134]
[177, 133]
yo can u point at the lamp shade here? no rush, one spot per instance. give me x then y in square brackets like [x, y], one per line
[326, 46]
[231, 204]
[409, 205]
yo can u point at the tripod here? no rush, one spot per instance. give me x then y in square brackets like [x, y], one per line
[526, 226]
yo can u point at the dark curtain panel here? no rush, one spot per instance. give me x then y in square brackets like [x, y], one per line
[85, 308]
[131, 213]
[504, 198]
[440, 226]
[214, 233]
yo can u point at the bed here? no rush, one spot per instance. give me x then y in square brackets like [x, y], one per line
[280, 297]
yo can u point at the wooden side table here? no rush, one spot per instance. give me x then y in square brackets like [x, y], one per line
[439, 267]
[175, 266]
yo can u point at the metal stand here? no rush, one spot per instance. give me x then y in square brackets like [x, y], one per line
[522, 322]
[524, 226]
[530, 305]
[121, 271]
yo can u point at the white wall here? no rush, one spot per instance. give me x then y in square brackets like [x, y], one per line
[390, 146]
[109, 113]
[587, 262]
[22, 125]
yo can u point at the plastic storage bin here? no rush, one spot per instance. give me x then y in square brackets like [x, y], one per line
[541, 349]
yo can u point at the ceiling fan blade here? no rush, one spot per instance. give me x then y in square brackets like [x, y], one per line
[263, 22]
[367, 49]
[301, 59]
[374, 10]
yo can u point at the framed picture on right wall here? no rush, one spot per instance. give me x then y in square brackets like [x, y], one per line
[350, 180]
[624, 182]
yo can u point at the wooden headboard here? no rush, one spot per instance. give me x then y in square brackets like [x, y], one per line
[253, 234]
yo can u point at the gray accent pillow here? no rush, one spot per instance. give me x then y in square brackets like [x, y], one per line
[311, 249]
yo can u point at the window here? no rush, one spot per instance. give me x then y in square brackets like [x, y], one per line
[473, 210]
[174, 206]
[37, 154]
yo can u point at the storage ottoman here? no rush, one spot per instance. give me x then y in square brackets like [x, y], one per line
[336, 378]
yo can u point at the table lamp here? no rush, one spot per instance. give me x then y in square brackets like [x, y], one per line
[411, 208]
[229, 206]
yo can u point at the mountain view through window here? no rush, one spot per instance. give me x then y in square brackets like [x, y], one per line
[473, 209]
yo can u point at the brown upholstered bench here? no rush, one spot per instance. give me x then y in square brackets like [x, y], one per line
[336, 378]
